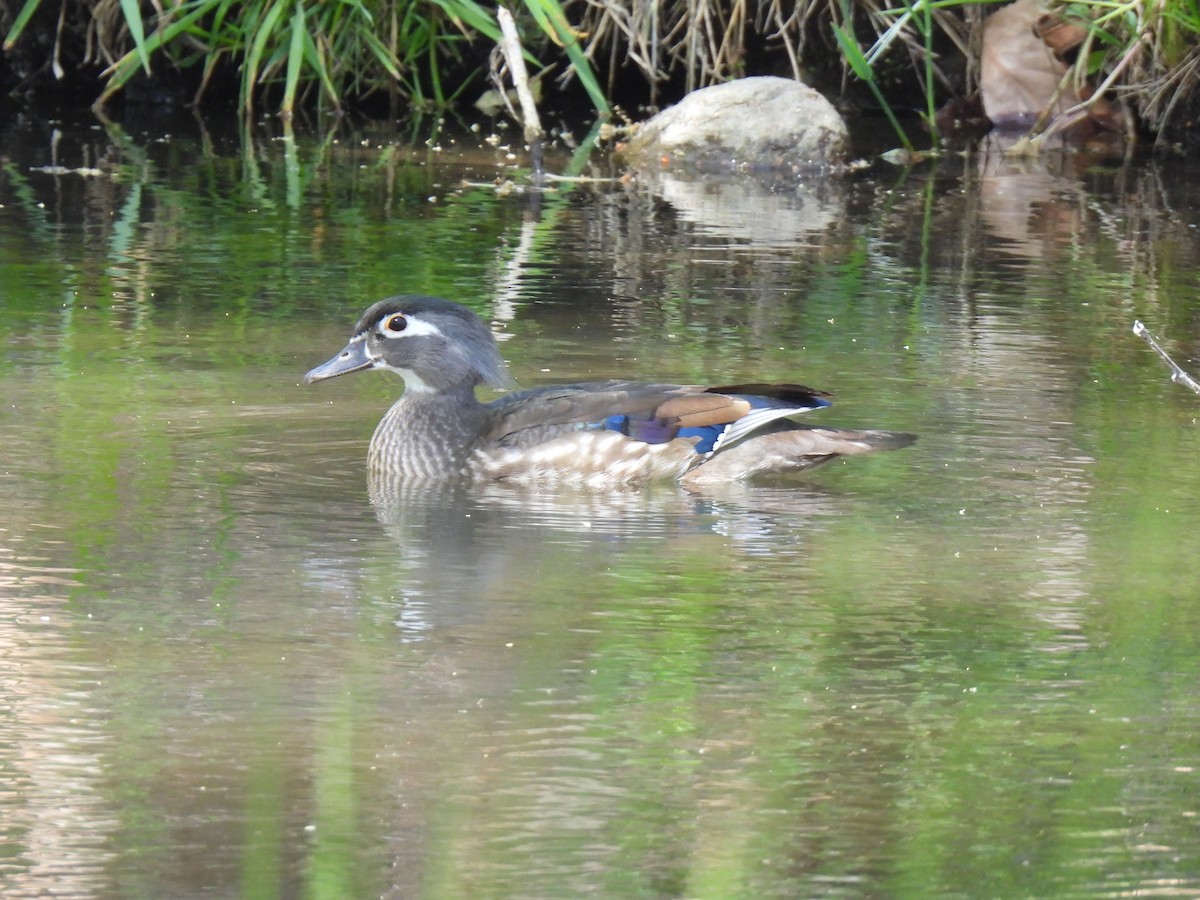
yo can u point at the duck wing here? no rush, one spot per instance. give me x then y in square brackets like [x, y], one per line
[649, 412]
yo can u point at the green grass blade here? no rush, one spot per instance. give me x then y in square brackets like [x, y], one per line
[471, 14]
[382, 54]
[125, 67]
[254, 57]
[553, 21]
[20, 22]
[859, 65]
[295, 61]
[316, 62]
[930, 94]
[435, 76]
[587, 77]
[133, 18]
[853, 55]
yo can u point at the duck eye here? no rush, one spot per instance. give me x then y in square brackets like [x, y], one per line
[395, 323]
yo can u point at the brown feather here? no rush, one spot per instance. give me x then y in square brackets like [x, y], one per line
[698, 410]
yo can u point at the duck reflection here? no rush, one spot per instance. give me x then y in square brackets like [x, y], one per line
[463, 536]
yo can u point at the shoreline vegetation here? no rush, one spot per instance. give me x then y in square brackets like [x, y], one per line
[1127, 66]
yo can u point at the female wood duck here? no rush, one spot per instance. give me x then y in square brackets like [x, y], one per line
[598, 433]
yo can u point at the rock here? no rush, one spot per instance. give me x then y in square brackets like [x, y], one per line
[762, 124]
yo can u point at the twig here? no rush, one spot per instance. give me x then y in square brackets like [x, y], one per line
[1178, 375]
[1082, 110]
[511, 45]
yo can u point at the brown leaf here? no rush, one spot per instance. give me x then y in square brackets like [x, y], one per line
[1058, 34]
[1018, 73]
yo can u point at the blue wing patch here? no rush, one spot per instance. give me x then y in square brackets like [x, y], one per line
[710, 437]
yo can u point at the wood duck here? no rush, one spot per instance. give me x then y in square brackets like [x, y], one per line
[597, 433]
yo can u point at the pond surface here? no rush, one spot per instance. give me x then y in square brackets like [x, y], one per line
[968, 668]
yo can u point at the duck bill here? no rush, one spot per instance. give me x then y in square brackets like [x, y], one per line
[352, 359]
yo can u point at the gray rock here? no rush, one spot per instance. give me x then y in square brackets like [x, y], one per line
[762, 124]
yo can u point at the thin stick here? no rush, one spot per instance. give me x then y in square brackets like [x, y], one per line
[511, 45]
[1079, 111]
[1178, 375]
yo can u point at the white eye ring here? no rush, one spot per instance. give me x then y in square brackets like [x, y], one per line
[402, 325]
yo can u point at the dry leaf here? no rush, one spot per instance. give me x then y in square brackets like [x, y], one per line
[1019, 73]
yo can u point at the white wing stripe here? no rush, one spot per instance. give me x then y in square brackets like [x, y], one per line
[750, 423]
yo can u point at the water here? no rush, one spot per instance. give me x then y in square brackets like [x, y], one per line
[965, 669]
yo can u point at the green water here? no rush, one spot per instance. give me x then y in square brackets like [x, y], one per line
[969, 668]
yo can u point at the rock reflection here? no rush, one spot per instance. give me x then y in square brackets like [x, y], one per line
[764, 214]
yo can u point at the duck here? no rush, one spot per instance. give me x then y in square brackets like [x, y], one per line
[597, 433]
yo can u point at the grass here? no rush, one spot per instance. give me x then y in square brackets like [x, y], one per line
[426, 53]
[290, 52]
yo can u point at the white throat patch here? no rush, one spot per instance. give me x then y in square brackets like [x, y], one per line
[412, 382]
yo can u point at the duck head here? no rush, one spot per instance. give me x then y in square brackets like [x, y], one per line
[433, 344]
